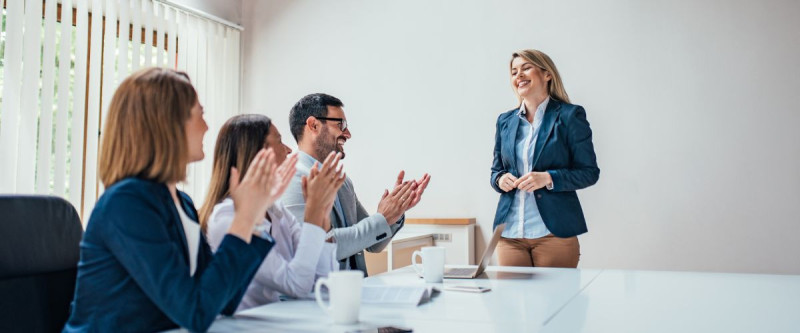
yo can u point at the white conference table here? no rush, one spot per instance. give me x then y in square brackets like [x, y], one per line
[653, 301]
[561, 300]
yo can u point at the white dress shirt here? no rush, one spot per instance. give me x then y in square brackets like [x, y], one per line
[300, 255]
[192, 231]
[524, 219]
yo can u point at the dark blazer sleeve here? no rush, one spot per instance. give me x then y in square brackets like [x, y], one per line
[259, 244]
[583, 171]
[137, 234]
[497, 164]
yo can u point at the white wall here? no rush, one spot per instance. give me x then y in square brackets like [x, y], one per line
[694, 107]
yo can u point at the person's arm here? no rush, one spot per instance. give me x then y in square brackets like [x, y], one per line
[212, 240]
[136, 233]
[583, 172]
[371, 233]
[291, 274]
[397, 225]
[369, 230]
[294, 275]
[497, 163]
[394, 228]
[327, 261]
[233, 304]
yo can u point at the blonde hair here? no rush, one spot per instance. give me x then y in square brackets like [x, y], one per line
[555, 88]
[238, 142]
[144, 134]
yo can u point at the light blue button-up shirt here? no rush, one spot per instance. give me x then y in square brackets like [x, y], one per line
[524, 220]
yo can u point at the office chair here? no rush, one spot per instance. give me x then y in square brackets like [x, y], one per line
[39, 252]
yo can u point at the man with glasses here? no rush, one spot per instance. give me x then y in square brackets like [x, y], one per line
[319, 126]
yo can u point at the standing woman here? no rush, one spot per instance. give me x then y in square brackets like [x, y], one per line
[144, 264]
[543, 153]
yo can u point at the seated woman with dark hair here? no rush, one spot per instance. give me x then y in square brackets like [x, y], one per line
[144, 265]
[301, 253]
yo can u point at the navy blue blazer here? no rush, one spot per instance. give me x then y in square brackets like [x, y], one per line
[133, 273]
[564, 149]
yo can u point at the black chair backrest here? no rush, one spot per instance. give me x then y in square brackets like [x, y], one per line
[39, 252]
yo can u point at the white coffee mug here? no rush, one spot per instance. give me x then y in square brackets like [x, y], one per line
[432, 263]
[344, 295]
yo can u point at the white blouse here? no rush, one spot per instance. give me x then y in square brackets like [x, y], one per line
[192, 231]
[300, 255]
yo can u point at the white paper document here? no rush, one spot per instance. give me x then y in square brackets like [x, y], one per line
[396, 295]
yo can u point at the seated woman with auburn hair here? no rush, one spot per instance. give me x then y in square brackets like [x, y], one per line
[144, 265]
[301, 253]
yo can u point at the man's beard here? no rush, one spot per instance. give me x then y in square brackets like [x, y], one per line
[325, 144]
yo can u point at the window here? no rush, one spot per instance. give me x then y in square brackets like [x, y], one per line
[59, 68]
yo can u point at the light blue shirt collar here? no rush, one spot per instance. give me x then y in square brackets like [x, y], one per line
[539, 109]
[306, 159]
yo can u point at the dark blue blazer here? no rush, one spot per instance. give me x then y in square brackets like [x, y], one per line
[564, 149]
[133, 273]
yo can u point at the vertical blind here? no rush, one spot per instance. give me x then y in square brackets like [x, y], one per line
[62, 62]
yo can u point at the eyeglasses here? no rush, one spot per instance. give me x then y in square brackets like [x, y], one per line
[342, 122]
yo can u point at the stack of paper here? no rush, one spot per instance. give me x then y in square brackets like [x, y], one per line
[397, 295]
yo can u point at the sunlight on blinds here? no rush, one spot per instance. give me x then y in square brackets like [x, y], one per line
[62, 62]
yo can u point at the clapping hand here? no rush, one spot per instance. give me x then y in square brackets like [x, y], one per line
[394, 204]
[282, 176]
[320, 188]
[404, 196]
[421, 184]
[252, 196]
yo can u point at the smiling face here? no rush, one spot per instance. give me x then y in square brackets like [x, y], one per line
[331, 137]
[528, 79]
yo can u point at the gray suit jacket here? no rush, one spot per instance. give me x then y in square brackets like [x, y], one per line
[354, 230]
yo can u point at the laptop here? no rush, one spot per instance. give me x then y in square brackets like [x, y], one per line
[473, 272]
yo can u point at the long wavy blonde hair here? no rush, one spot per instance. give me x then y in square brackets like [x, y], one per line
[555, 88]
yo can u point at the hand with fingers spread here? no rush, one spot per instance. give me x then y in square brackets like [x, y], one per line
[533, 181]
[507, 182]
[282, 176]
[320, 188]
[421, 184]
[394, 204]
[252, 196]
